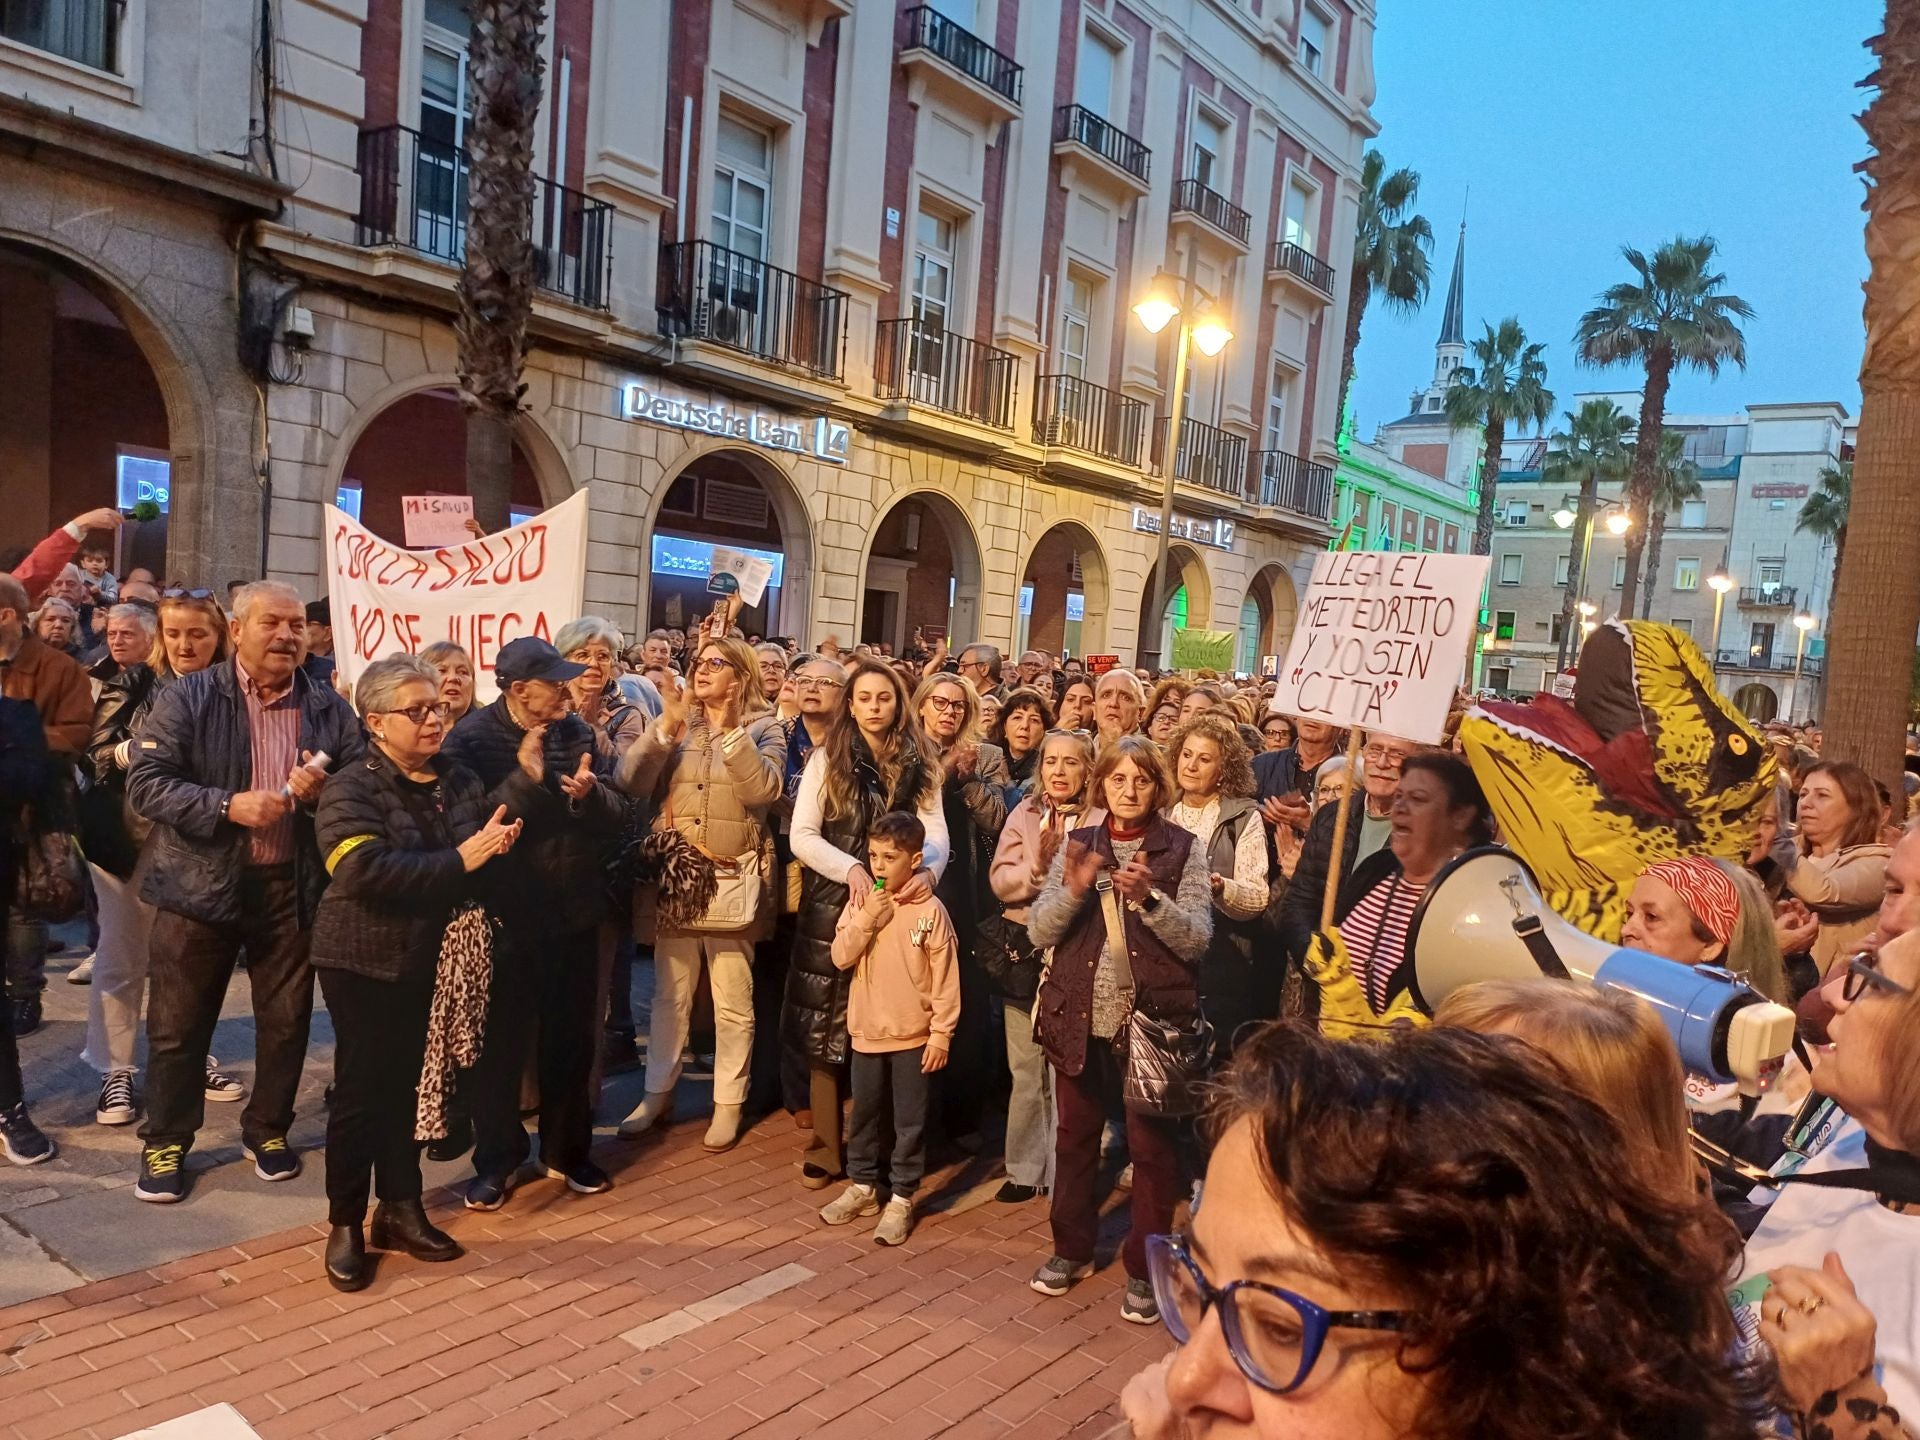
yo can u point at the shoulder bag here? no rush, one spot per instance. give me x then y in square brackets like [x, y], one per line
[1166, 1063]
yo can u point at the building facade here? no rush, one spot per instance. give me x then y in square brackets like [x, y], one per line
[845, 283]
[1380, 503]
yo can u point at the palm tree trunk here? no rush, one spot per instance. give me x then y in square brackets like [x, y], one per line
[1576, 571]
[1876, 605]
[1646, 463]
[1359, 291]
[1656, 533]
[1495, 440]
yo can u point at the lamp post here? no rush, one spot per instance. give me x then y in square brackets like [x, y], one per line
[1803, 622]
[1168, 298]
[1618, 523]
[1720, 582]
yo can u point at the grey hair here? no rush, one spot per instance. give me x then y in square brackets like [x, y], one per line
[53, 600]
[381, 682]
[441, 650]
[73, 572]
[140, 615]
[13, 596]
[767, 647]
[584, 631]
[245, 598]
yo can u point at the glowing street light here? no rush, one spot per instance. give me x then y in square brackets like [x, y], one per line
[1619, 522]
[1803, 622]
[1720, 582]
[1564, 518]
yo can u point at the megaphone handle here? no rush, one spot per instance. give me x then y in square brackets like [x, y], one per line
[1331, 898]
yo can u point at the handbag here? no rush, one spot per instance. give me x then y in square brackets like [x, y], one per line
[53, 877]
[1166, 1066]
[733, 902]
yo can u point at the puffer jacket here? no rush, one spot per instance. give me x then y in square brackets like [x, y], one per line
[111, 833]
[554, 877]
[194, 752]
[716, 797]
[394, 885]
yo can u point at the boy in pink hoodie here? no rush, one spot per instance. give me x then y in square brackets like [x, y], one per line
[901, 1013]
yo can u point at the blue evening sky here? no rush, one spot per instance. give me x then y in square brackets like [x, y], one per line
[1582, 126]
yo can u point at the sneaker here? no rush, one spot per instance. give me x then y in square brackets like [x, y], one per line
[1138, 1306]
[583, 1178]
[81, 974]
[1059, 1275]
[489, 1192]
[273, 1159]
[26, 1016]
[896, 1222]
[24, 1143]
[116, 1105]
[163, 1174]
[221, 1086]
[856, 1202]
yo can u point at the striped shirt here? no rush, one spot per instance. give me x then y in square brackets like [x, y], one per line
[273, 721]
[1375, 932]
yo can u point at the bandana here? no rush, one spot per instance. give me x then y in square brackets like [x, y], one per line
[1706, 889]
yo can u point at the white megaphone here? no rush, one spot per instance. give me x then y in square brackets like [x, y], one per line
[1483, 918]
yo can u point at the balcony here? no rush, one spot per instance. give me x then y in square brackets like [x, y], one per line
[1296, 262]
[1209, 458]
[1075, 414]
[1768, 597]
[982, 75]
[1289, 482]
[413, 193]
[1767, 661]
[1076, 127]
[708, 292]
[1190, 197]
[923, 364]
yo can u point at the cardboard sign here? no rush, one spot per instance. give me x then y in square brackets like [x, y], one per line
[480, 593]
[1100, 664]
[1381, 641]
[1203, 649]
[435, 520]
[734, 573]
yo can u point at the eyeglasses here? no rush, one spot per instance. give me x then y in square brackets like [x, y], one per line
[817, 682]
[947, 707]
[1385, 755]
[418, 713]
[178, 592]
[713, 664]
[1863, 974]
[1274, 1335]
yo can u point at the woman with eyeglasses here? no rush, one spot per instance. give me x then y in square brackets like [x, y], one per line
[1025, 719]
[404, 833]
[1432, 1238]
[616, 724]
[1277, 732]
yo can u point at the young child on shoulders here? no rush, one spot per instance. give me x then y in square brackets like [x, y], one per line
[901, 1013]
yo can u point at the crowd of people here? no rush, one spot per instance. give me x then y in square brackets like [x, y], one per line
[929, 906]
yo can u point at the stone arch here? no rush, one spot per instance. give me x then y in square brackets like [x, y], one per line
[1188, 570]
[1271, 592]
[1758, 702]
[1096, 585]
[790, 513]
[967, 572]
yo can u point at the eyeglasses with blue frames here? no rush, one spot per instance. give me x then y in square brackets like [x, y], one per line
[1274, 1335]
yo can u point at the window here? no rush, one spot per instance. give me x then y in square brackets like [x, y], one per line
[1562, 564]
[1772, 572]
[1453, 540]
[1297, 227]
[1389, 520]
[1275, 436]
[446, 109]
[1684, 624]
[1760, 645]
[1362, 506]
[1619, 571]
[1686, 573]
[1076, 325]
[1516, 513]
[935, 237]
[1556, 628]
[1503, 625]
[1693, 514]
[1316, 34]
[1510, 569]
[1093, 83]
[86, 32]
[1207, 160]
[742, 188]
[1499, 677]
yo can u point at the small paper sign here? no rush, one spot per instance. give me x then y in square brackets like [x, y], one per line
[1269, 667]
[723, 582]
[748, 575]
[435, 520]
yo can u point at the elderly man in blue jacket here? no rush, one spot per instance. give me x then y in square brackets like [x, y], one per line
[222, 770]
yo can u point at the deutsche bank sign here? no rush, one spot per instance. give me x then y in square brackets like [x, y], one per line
[819, 438]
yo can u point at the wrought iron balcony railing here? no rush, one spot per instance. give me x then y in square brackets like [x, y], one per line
[1298, 260]
[1214, 208]
[1769, 660]
[1292, 483]
[918, 361]
[1079, 415]
[1108, 141]
[1762, 597]
[413, 193]
[929, 30]
[708, 292]
[1205, 456]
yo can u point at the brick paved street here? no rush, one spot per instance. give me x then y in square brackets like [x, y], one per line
[702, 1298]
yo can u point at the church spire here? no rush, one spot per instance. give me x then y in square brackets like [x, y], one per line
[1453, 328]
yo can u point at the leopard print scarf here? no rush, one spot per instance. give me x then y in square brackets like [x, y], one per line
[456, 1025]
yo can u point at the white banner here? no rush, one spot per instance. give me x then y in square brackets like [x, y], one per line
[480, 594]
[1381, 641]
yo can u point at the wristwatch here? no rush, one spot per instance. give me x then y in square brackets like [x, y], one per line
[1152, 902]
[225, 805]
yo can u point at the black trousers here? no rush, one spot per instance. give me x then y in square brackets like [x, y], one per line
[379, 1041]
[10, 1087]
[889, 1088]
[779, 1076]
[186, 985]
[545, 989]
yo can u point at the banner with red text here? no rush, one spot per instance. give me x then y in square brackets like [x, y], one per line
[480, 594]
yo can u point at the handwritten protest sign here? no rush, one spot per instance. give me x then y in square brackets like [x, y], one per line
[1381, 641]
[750, 573]
[480, 593]
[435, 520]
[1203, 649]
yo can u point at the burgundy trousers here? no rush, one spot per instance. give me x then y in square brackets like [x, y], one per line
[1085, 1100]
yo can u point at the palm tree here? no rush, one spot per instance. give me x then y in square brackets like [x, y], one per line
[1825, 513]
[1389, 252]
[1673, 313]
[496, 283]
[1589, 450]
[1676, 480]
[1876, 606]
[1506, 383]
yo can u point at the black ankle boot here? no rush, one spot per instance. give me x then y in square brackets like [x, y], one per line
[347, 1267]
[403, 1225]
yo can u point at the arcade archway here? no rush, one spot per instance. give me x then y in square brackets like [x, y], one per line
[1189, 602]
[1757, 702]
[1064, 595]
[922, 575]
[1266, 618]
[417, 445]
[735, 499]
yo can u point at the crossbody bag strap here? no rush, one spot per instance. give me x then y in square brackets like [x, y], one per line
[1116, 932]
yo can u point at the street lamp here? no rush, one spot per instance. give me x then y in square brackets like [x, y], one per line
[1720, 582]
[1169, 298]
[1803, 622]
[1618, 523]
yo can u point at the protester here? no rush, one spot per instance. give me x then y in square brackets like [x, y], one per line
[1201, 699]
[455, 668]
[319, 662]
[1118, 703]
[1033, 664]
[56, 623]
[902, 1009]
[1836, 868]
[1162, 720]
[1292, 772]
[222, 771]
[773, 672]
[1136, 947]
[595, 643]
[96, 556]
[980, 664]
[51, 556]
[1276, 731]
[1369, 828]
[1700, 911]
[657, 648]
[404, 832]
[129, 641]
[1024, 721]
[23, 773]
[538, 761]
[1076, 704]
[712, 780]
[875, 759]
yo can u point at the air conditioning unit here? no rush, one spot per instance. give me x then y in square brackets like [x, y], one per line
[1061, 430]
[714, 320]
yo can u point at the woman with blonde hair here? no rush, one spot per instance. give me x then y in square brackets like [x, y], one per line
[454, 666]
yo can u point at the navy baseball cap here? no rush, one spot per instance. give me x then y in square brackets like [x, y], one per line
[530, 658]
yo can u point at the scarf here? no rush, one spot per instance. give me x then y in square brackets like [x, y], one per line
[457, 1021]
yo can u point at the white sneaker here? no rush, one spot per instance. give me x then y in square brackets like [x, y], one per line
[853, 1203]
[81, 974]
[116, 1105]
[896, 1222]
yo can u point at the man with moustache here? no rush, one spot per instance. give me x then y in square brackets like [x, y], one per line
[222, 771]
